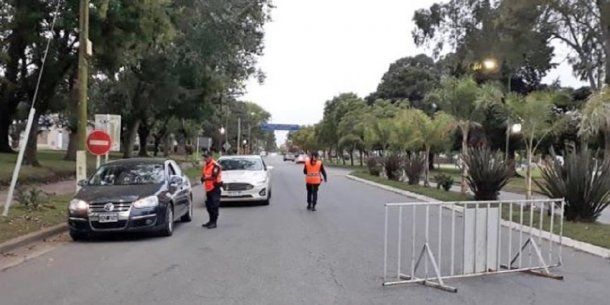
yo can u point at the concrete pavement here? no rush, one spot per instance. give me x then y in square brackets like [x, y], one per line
[277, 254]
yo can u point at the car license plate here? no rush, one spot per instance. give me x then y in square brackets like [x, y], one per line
[108, 217]
[233, 194]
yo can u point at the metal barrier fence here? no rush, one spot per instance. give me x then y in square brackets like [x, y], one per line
[479, 240]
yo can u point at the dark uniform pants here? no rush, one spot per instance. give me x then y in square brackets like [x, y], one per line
[212, 203]
[312, 193]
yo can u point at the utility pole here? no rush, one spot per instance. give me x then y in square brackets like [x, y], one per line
[83, 78]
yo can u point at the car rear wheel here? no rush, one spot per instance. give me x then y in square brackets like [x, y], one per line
[78, 236]
[189, 214]
[168, 229]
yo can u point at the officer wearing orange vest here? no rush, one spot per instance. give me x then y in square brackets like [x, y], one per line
[314, 171]
[211, 177]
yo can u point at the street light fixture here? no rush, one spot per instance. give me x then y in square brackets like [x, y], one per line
[490, 64]
[516, 128]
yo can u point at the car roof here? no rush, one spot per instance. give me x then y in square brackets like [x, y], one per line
[240, 157]
[139, 161]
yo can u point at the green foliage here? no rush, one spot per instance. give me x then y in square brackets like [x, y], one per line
[443, 181]
[392, 164]
[414, 167]
[409, 78]
[374, 165]
[596, 117]
[581, 181]
[488, 173]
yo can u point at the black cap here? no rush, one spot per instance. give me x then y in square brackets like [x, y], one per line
[206, 154]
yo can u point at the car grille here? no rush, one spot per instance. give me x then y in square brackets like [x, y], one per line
[109, 225]
[237, 186]
[118, 207]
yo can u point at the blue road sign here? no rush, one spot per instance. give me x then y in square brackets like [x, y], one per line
[274, 127]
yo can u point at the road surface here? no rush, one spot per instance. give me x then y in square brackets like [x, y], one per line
[278, 254]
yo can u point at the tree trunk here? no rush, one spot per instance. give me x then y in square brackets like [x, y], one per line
[167, 147]
[463, 185]
[8, 94]
[131, 138]
[427, 168]
[528, 172]
[71, 151]
[361, 159]
[604, 8]
[30, 157]
[143, 132]
[430, 160]
[351, 157]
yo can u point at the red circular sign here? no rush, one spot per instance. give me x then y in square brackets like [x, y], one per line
[99, 142]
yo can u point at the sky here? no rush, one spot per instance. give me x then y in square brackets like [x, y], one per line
[317, 49]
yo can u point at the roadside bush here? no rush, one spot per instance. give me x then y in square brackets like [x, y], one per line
[414, 166]
[374, 165]
[444, 181]
[584, 183]
[487, 173]
[392, 164]
[32, 198]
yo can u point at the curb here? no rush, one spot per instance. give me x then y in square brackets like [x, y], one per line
[566, 241]
[32, 237]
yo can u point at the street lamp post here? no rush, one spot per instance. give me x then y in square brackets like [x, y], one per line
[222, 139]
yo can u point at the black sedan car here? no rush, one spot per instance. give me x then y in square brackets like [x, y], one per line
[131, 195]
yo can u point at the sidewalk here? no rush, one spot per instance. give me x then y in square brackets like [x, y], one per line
[57, 188]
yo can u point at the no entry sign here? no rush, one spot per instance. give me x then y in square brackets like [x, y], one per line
[99, 142]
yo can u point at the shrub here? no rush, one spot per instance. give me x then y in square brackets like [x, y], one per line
[414, 167]
[374, 165]
[392, 164]
[487, 173]
[582, 182]
[444, 181]
[32, 199]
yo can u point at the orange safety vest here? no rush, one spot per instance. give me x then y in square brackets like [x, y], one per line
[313, 172]
[208, 172]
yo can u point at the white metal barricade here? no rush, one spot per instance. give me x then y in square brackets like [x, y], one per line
[482, 237]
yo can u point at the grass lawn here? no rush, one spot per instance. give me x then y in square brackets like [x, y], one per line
[194, 173]
[53, 168]
[419, 189]
[339, 164]
[594, 233]
[515, 184]
[21, 221]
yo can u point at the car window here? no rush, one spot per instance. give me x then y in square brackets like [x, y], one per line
[170, 169]
[128, 174]
[248, 164]
[176, 167]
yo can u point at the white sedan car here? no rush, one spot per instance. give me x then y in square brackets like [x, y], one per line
[245, 178]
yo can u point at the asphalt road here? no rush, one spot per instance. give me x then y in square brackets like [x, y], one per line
[277, 254]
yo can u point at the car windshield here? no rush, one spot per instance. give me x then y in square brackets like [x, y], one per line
[248, 164]
[128, 174]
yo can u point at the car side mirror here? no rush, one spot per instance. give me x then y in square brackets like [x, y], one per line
[82, 183]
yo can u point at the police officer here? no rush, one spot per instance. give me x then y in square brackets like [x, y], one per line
[211, 177]
[314, 170]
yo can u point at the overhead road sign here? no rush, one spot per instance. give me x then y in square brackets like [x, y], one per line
[274, 127]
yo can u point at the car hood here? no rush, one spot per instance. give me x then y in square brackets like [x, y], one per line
[243, 176]
[113, 193]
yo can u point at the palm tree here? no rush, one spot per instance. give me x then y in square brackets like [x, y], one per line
[535, 114]
[466, 101]
[433, 133]
[596, 118]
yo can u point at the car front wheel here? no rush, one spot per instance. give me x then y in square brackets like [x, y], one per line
[78, 236]
[189, 214]
[168, 228]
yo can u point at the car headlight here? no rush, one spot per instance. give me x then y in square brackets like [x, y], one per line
[147, 202]
[78, 206]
